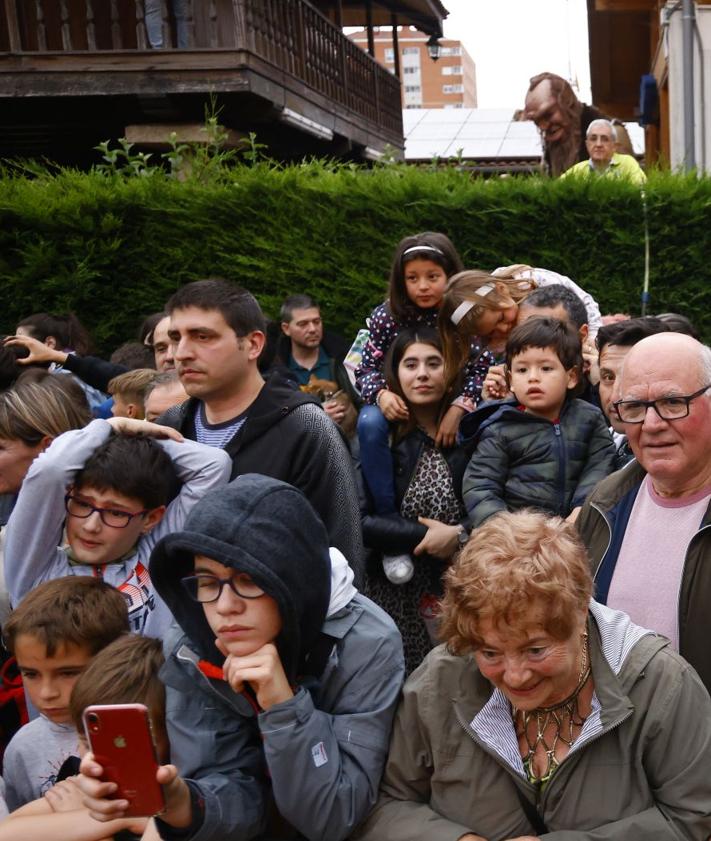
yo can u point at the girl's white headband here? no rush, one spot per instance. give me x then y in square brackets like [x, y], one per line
[465, 306]
[423, 248]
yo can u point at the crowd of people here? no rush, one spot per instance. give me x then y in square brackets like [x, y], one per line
[445, 581]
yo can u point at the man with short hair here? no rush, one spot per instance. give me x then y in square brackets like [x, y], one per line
[614, 341]
[646, 526]
[600, 141]
[555, 301]
[312, 353]
[164, 391]
[217, 330]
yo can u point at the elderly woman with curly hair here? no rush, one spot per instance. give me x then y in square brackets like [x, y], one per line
[545, 715]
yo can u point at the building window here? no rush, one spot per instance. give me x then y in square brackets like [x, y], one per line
[411, 69]
[389, 55]
[411, 51]
[452, 88]
[412, 88]
[454, 70]
[450, 51]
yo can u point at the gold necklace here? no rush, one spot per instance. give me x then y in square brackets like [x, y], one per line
[562, 717]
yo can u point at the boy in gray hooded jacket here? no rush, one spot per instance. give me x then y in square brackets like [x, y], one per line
[281, 679]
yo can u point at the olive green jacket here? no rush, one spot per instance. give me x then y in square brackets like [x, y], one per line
[640, 770]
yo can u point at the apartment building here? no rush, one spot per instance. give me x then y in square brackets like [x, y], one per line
[449, 82]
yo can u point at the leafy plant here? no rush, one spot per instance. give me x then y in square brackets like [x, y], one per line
[114, 243]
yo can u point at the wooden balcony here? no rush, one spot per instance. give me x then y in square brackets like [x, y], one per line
[266, 60]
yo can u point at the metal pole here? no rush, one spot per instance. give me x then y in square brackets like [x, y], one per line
[688, 21]
[396, 45]
[645, 287]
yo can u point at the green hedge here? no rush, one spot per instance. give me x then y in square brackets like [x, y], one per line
[112, 248]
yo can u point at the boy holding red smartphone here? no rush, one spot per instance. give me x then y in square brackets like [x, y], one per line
[123, 673]
[54, 633]
[281, 678]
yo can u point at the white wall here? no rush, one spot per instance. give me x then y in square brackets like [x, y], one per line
[702, 87]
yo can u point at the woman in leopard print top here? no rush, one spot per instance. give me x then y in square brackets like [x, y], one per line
[430, 523]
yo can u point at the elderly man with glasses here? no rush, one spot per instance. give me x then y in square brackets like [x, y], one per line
[600, 142]
[647, 527]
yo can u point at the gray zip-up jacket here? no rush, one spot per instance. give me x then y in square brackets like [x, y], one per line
[319, 756]
[602, 524]
[639, 771]
[34, 531]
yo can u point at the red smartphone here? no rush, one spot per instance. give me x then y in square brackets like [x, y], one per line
[121, 741]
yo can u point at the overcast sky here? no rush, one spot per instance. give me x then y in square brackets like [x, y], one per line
[512, 40]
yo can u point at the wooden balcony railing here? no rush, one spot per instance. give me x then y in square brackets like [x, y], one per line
[291, 36]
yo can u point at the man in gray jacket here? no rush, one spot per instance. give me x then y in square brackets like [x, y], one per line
[281, 679]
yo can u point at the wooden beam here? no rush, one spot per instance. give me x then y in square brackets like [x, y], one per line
[158, 134]
[13, 27]
[369, 26]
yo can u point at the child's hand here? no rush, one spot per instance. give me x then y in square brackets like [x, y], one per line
[495, 386]
[590, 362]
[335, 409]
[441, 540]
[393, 407]
[65, 796]
[39, 351]
[262, 670]
[132, 426]
[447, 430]
[96, 796]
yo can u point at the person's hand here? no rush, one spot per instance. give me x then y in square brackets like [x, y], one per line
[96, 796]
[590, 362]
[573, 516]
[133, 426]
[440, 541]
[495, 386]
[39, 351]
[262, 670]
[65, 796]
[336, 410]
[448, 427]
[471, 837]
[151, 832]
[393, 407]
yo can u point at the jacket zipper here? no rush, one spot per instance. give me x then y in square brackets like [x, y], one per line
[497, 759]
[561, 468]
[609, 538]
[541, 797]
[556, 776]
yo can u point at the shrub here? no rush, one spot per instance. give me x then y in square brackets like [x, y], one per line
[113, 248]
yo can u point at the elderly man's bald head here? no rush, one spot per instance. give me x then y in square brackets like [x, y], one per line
[680, 351]
[676, 453]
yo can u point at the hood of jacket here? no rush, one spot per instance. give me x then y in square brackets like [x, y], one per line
[275, 401]
[267, 529]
